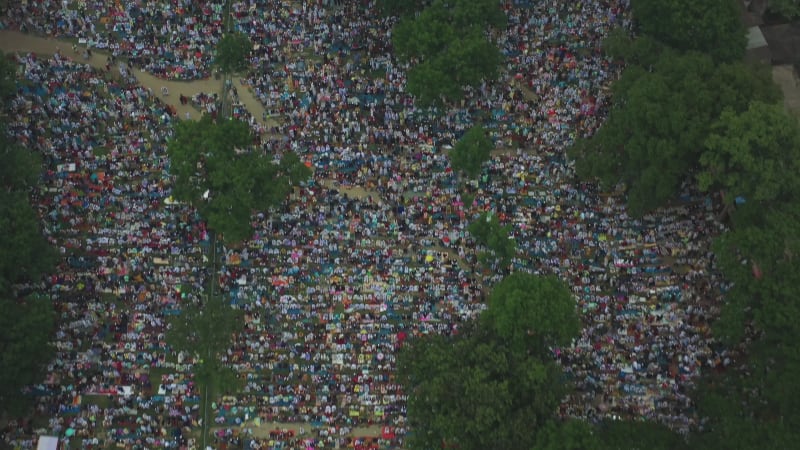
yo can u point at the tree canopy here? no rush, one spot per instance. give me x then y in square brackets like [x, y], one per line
[401, 7]
[25, 328]
[8, 77]
[217, 171]
[789, 9]
[474, 391]
[712, 26]
[233, 51]
[27, 254]
[471, 151]
[205, 331]
[26, 323]
[447, 43]
[754, 154]
[532, 312]
[660, 119]
[488, 232]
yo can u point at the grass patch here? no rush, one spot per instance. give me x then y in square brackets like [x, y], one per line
[101, 151]
[103, 401]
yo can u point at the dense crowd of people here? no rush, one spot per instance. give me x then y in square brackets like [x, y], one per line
[170, 39]
[369, 253]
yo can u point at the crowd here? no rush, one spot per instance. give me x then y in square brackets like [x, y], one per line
[369, 253]
[170, 39]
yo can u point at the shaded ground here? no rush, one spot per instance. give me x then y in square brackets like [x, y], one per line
[787, 79]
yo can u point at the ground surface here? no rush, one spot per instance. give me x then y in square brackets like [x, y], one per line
[787, 79]
[13, 41]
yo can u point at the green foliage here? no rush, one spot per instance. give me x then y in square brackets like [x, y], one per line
[26, 324]
[473, 392]
[25, 329]
[217, 158]
[447, 40]
[472, 150]
[8, 76]
[755, 406]
[20, 168]
[769, 245]
[711, 26]
[567, 435]
[206, 330]
[233, 51]
[28, 255]
[487, 231]
[789, 9]
[660, 118]
[643, 50]
[754, 154]
[532, 313]
[627, 435]
[401, 7]
[491, 386]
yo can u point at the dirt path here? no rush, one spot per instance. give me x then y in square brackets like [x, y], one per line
[786, 78]
[14, 41]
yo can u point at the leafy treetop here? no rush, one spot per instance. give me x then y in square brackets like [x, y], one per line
[660, 118]
[754, 154]
[471, 151]
[473, 390]
[448, 42]
[487, 231]
[232, 53]
[25, 329]
[532, 312]
[710, 26]
[216, 170]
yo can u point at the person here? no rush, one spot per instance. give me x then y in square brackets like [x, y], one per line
[164, 91]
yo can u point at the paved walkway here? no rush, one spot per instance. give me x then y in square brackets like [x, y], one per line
[14, 41]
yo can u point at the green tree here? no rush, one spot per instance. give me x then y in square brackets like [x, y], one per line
[25, 329]
[659, 120]
[472, 392]
[401, 7]
[233, 51]
[754, 154]
[471, 151]
[217, 171]
[28, 254]
[759, 257]
[531, 313]
[642, 50]
[21, 167]
[26, 323]
[628, 435]
[8, 77]
[567, 435]
[488, 232]
[205, 331]
[448, 43]
[712, 26]
[753, 405]
[789, 9]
